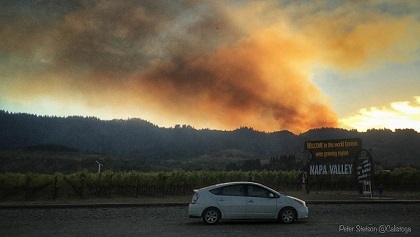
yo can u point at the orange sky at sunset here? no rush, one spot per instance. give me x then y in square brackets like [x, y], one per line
[269, 65]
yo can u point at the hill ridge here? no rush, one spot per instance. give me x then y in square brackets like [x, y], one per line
[137, 138]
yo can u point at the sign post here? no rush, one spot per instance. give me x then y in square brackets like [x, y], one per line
[306, 158]
[367, 188]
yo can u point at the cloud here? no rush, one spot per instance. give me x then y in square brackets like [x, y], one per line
[209, 64]
[355, 35]
[398, 115]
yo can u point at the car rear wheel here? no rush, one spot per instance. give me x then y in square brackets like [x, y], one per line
[211, 216]
[287, 215]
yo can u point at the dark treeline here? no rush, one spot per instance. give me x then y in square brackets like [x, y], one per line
[50, 162]
[139, 139]
[284, 163]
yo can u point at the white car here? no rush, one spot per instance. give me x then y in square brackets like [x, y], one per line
[244, 200]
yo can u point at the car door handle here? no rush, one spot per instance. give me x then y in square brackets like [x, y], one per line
[251, 201]
[221, 200]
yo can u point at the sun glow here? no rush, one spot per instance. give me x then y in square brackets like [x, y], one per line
[398, 115]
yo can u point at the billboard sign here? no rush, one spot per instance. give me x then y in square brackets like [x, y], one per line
[363, 163]
[333, 156]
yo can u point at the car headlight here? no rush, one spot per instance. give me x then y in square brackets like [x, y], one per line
[301, 202]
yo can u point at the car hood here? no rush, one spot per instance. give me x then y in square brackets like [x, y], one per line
[297, 200]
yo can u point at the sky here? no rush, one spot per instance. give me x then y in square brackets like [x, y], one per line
[268, 65]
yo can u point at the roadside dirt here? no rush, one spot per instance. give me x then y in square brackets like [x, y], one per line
[316, 195]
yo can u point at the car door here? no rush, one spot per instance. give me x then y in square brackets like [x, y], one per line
[261, 203]
[231, 200]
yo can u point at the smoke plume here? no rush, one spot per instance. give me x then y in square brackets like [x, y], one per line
[208, 64]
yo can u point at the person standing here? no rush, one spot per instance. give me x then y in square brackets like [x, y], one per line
[380, 189]
[304, 181]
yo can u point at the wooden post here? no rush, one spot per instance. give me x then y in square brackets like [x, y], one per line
[55, 187]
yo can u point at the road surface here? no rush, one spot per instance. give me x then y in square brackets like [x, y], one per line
[324, 220]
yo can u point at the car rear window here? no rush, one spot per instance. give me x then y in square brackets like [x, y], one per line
[216, 191]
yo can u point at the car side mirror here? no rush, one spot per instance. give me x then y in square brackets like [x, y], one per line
[271, 195]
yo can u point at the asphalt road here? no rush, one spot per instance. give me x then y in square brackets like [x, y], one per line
[324, 220]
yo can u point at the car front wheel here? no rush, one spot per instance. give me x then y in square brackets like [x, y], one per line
[287, 215]
[211, 216]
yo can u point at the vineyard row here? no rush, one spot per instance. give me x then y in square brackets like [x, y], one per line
[29, 186]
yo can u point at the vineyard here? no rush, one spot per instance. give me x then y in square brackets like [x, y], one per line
[84, 184]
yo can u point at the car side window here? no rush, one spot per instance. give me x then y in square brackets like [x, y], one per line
[233, 190]
[257, 191]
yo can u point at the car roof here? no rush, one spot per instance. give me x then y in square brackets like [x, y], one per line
[231, 183]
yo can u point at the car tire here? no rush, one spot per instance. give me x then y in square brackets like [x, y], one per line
[211, 216]
[287, 215]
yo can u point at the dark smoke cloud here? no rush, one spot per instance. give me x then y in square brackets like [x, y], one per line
[208, 64]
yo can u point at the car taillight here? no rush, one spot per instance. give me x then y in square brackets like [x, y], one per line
[195, 198]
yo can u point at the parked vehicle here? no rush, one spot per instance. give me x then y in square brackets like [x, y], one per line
[244, 200]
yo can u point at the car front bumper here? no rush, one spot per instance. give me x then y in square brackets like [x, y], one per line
[303, 212]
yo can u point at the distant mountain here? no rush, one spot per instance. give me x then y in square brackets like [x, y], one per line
[140, 139]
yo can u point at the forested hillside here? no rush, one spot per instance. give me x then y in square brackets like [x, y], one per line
[139, 139]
